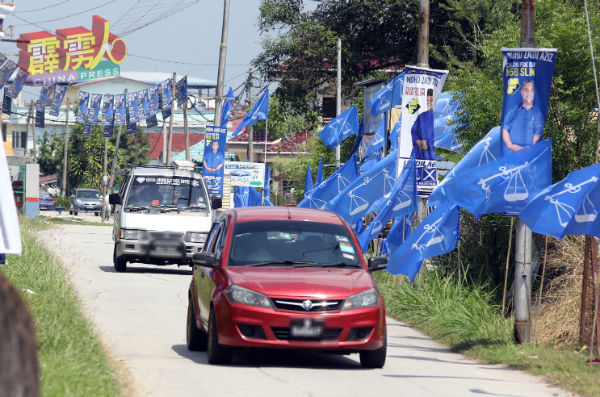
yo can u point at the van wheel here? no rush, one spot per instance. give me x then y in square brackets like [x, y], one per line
[119, 263]
[374, 358]
[195, 338]
[217, 353]
[70, 212]
[75, 213]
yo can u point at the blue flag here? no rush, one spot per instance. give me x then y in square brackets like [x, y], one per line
[505, 185]
[240, 196]
[267, 187]
[340, 128]
[267, 202]
[378, 139]
[308, 183]
[359, 136]
[387, 97]
[567, 207]
[398, 233]
[436, 235]
[227, 104]
[401, 201]
[260, 111]
[395, 134]
[353, 202]
[488, 149]
[332, 186]
[319, 179]
[254, 197]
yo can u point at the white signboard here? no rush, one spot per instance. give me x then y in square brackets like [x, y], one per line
[245, 174]
[10, 236]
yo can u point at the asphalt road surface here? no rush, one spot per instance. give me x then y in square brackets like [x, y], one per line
[140, 316]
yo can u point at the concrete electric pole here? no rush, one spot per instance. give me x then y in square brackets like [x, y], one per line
[222, 58]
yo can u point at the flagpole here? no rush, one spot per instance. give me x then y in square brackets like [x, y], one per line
[266, 137]
[338, 98]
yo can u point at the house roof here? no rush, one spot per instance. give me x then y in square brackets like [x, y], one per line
[155, 140]
[154, 78]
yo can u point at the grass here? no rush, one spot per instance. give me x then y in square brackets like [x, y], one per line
[71, 220]
[467, 320]
[72, 360]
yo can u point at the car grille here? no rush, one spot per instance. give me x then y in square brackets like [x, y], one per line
[303, 305]
[166, 236]
[283, 333]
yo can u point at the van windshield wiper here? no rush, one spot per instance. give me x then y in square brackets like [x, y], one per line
[284, 262]
[137, 208]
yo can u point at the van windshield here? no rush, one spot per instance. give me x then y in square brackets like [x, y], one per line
[166, 193]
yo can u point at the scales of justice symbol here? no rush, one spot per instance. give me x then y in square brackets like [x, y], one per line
[587, 211]
[314, 202]
[403, 200]
[433, 232]
[358, 203]
[515, 190]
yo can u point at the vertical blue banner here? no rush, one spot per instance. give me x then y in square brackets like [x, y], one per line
[214, 159]
[181, 92]
[166, 97]
[84, 103]
[120, 109]
[59, 95]
[142, 103]
[94, 109]
[527, 79]
[108, 114]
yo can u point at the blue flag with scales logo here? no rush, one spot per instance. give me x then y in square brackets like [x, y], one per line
[340, 128]
[260, 111]
[387, 97]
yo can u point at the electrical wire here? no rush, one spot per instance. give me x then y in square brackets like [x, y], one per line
[66, 16]
[39, 9]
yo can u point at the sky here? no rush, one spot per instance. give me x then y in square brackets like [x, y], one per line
[186, 42]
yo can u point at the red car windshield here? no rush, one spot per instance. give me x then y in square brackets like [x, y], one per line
[292, 243]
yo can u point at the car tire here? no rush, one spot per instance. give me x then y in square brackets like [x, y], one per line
[75, 213]
[70, 212]
[96, 214]
[195, 338]
[119, 263]
[217, 353]
[374, 358]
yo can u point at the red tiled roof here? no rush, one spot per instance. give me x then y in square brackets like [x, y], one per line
[155, 140]
[294, 143]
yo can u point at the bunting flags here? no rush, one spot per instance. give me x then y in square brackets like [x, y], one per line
[353, 202]
[340, 128]
[387, 97]
[308, 183]
[227, 105]
[505, 185]
[401, 201]
[436, 235]
[332, 186]
[260, 111]
[567, 207]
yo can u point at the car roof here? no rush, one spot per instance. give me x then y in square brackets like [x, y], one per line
[162, 171]
[84, 190]
[249, 214]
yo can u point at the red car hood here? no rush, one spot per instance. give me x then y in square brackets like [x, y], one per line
[302, 282]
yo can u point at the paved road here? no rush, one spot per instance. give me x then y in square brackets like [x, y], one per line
[141, 314]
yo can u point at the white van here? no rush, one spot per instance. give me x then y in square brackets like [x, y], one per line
[162, 216]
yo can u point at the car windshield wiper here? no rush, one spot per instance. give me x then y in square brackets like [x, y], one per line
[137, 208]
[284, 262]
[340, 264]
[192, 207]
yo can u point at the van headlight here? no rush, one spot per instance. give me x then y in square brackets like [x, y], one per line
[366, 298]
[237, 294]
[133, 234]
[196, 237]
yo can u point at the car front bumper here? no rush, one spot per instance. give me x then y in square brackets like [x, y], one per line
[343, 331]
[154, 252]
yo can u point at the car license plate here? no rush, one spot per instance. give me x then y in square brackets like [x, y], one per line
[306, 328]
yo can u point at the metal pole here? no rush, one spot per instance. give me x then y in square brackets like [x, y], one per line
[30, 122]
[266, 139]
[338, 98]
[170, 144]
[114, 160]
[185, 132]
[222, 58]
[251, 130]
[65, 153]
[104, 177]
[164, 135]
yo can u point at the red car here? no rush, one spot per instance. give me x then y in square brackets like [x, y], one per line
[285, 278]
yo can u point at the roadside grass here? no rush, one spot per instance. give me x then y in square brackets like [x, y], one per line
[467, 320]
[71, 220]
[72, 359]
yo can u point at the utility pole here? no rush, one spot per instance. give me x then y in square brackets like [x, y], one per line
[114, 160]
[104, 179]
[170, 144]
[523, 235]
[65, 152]
[185, 132]
[32, 124]
[222, 58]
[251, 130]
[338, 96]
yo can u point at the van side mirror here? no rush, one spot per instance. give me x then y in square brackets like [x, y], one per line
[114, 198]
[377, 263]
[205, 259]
[216, 202]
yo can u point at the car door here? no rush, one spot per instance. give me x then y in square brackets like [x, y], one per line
[202, 275]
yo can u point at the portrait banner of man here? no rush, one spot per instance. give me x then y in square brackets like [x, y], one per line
[527, 79]
[214, 159]
[421, 89]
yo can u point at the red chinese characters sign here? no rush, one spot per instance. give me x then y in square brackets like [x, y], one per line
[70, 49]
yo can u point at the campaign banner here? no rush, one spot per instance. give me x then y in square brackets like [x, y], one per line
[181, 91]
[151, 121]
[87, 130]
[153, 92]
[120, 109]
[6, 71]
[59, 95]
[132, 107]
[421, 88]
[94, 109]
[17, 85]
[6, 103]
[166, 96]
[215, 139]
[84, 102]
[245, 174]
[39, 118]
[131, 128]
[108, 114]
[527, 79]
[144, 104]
[45, 98]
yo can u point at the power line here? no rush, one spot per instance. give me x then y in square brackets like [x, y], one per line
[39, 9]
[66, 16]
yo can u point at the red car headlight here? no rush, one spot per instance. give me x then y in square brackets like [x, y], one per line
[237, 294]
[366, 298]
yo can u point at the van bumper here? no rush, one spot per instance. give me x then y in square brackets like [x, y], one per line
[178, 252]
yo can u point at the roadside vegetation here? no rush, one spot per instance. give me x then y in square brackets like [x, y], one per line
[463, 311]
[72, 359]
[71, 220]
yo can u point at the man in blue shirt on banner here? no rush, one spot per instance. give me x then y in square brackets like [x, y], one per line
[213, 160]
[422, 132]
[524, 124]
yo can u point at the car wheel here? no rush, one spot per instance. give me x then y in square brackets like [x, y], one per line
[217, 353]
[374, 358]
[75, 213]
[120, 263]
[195, 338]
[96, 213]
[70, 212]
